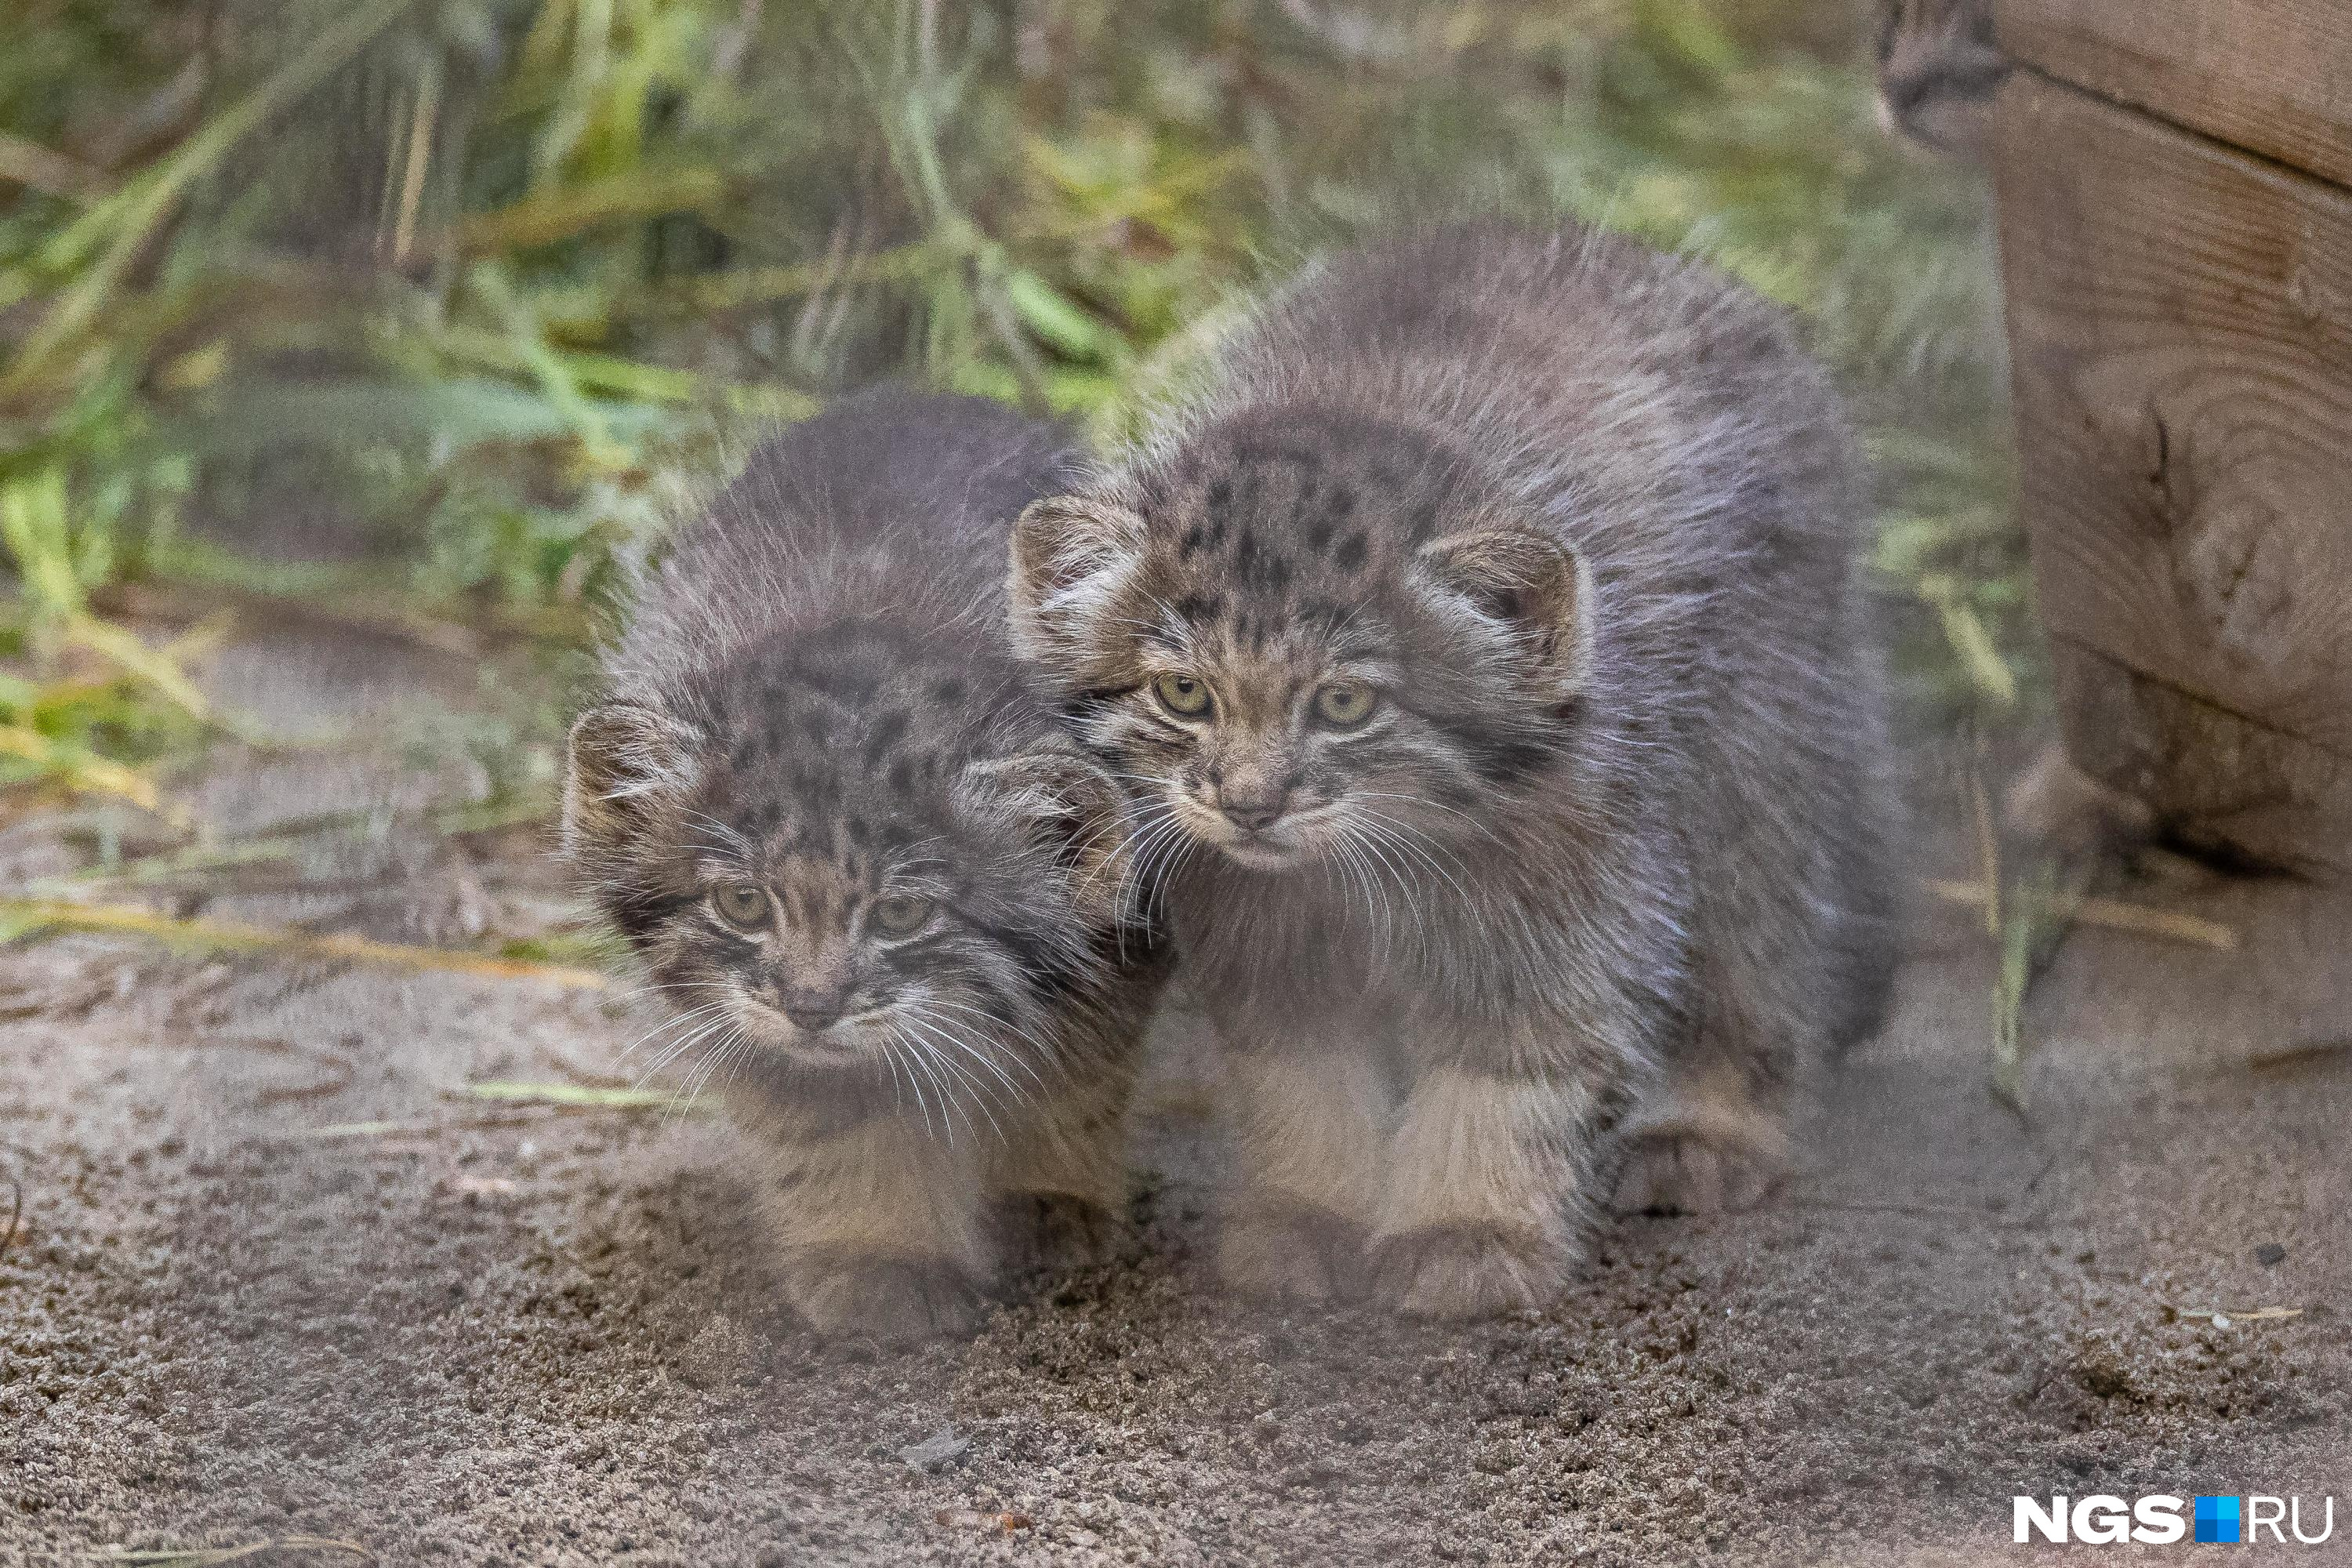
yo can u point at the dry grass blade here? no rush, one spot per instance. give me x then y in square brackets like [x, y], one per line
[119, 227]
[25, 916]
[2223, 1316]
[523, 1098]
[717, 292]
[2016, 937]
[15, 1216]
[1972, 644]
[336, 1130]
[206, 1556]
[1988, 842]
[81, 771]
[573, 1094]
[37, 168]
[2111, 914]
[548, 215]
[159, 671]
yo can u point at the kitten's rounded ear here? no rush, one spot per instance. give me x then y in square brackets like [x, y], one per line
[1072, 809]
[1535, 588]
[626, 762]
[1068, 551]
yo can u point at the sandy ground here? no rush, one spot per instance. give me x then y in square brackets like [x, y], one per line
[525, 1334]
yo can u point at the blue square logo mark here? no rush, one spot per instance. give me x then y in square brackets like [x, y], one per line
[2217, 1520]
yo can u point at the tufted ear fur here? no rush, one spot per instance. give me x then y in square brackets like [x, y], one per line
[626, 761]
[1531, 586]
[1068, 554]
[1074, 810]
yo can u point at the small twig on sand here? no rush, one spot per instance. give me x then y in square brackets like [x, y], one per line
[207, 1556]
[2223, 1316]
[2111, 913]
[16, 1213]
[335, 1130]
[2295, 1059]
[22, 916]
[1836, 1206]
[581, 1095]
[522, 1099]
[340, 1073]
[1988, 848]
[368, 1129]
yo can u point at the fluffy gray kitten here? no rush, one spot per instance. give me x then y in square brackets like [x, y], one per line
[881, 892]
[1487, 658]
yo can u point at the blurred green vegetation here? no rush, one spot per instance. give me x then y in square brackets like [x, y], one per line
[433, 312]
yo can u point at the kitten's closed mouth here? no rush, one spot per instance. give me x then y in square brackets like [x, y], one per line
[1259, 852]
[842, 1041]
[1279, 846]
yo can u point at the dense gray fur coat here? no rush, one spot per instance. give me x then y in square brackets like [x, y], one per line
[1488, 658]
[882, 896]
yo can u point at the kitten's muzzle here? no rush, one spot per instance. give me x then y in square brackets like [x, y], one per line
[1252, 816]
[812, 1010]
[1252, 805]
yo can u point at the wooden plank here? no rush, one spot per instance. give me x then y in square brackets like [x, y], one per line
[2180, 319]
[2215, 778]
[2274, 76]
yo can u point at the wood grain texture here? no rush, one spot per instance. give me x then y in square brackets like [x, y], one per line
[2180, 319]
[2218, 779]
[2274, 76]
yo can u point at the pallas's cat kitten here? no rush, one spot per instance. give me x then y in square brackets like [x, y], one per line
[880, 891]
[1486, 653]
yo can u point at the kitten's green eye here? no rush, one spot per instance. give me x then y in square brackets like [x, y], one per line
[740, 904]
[1345, 704]
[902, 915]
[1182, 695]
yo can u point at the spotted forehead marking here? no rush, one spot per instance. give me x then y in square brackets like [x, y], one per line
[1187, 610]
[1292, 522]
[842, 748]
[819, 894]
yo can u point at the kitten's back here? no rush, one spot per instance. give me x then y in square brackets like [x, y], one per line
[1667, 422]
[891, 504]
[1655, 413]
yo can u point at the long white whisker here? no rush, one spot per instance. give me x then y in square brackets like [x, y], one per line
[939, 1067]
[915, 1082]
[1410, 839]
[678, 1049]
[1361, 871]
[1483, 829]
[703, 1074]
[675, 1020]
[937, 1031]
[992, 1022]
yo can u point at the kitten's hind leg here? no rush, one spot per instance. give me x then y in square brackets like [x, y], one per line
[1793, 957]
[1710, 1139]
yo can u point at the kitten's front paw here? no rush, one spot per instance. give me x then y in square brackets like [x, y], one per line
[1040, 1233]
[1469, 1270]
[1290, 1250]
[1677, 1170]
[895, 1301]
